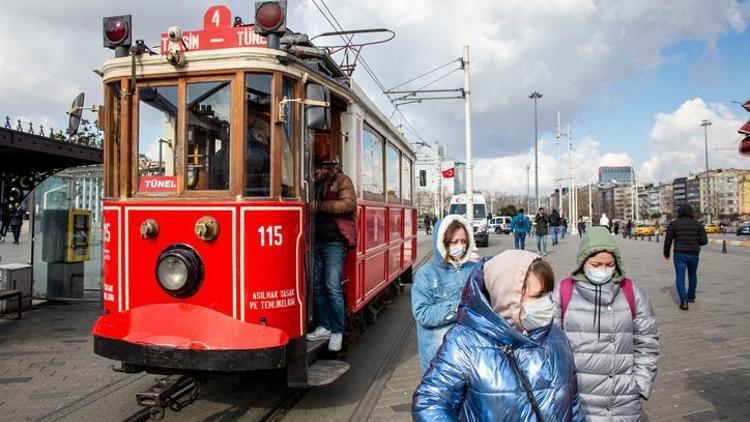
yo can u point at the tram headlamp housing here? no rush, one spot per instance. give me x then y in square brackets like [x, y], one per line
[179, 270]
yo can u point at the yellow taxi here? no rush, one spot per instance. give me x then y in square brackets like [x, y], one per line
[644, 230]
[713, 228]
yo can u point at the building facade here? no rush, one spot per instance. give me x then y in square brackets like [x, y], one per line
[621, 174]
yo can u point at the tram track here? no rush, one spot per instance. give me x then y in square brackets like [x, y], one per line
[365, 407]
[268, 408]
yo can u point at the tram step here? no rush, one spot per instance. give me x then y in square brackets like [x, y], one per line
[322, 373]
[315, 346]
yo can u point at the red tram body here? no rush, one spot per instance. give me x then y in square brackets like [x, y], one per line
[174, 211]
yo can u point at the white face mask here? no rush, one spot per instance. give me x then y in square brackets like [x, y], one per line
[456, 251]
[539, 313]
[599, 276]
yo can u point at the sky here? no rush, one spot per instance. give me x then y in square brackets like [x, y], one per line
[631, 79]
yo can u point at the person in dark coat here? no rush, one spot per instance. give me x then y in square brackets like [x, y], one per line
[617, 228]
[554, 225]
[688, 235]
[427, 223]
[542, 231]
[4, 222]
[16, 221]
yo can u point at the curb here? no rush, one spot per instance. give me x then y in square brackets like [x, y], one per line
[740, 243]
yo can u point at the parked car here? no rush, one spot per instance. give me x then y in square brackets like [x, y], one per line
[713, 228]
[500, 224]
[644, 230]
[743, 229]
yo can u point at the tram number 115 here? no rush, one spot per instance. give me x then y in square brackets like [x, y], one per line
[270, 236]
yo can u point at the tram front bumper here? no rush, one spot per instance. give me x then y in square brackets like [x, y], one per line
[188, 337]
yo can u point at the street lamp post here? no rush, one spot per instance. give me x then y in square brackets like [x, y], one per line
[535, 96]
[467, 117]
[528, 184]
[706, 123]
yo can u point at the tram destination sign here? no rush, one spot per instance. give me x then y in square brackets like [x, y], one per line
[218, 32]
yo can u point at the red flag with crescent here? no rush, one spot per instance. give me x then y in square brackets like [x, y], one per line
[448, 169]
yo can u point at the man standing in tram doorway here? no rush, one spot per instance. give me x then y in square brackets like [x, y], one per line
[335, 231]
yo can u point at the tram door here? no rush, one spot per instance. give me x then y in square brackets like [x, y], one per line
[316, 139]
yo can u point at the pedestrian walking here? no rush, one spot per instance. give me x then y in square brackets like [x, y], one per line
[563, 226]
[16, 221]
[688, 235]
[542, 230]
[504, 360]
[616, 354]
[434, 221]
[335, 231]
[554, 225]
[581, 228]
[427, 223]
[438, 286]
[604, 222]
[629, 228]
[4, 222]
[616, 228]
[521, 227]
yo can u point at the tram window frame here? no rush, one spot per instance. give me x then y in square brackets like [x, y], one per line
[294, 112]
[407, 179]
[395, 197]
[368, 195]
[273, 179]
[134, 142]
[183, 188]
[112, 138]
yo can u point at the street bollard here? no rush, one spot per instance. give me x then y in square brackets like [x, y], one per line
[724, 246]
[657, 237]
[649, 238]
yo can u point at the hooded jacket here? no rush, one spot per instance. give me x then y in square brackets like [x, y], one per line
[520, 224]
[437, 291]
[616, 355]
[473, 377]
[687, 234]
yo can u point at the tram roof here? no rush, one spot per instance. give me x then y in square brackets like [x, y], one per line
[251, 58]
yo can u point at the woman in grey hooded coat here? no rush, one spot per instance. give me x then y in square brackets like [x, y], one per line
[612, 329]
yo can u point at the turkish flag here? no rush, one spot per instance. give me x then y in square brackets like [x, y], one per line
[449, 173]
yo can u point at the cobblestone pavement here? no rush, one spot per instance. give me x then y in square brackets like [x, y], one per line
[704, 369]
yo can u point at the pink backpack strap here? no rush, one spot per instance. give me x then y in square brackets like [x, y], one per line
[566, 292]
[626, 286]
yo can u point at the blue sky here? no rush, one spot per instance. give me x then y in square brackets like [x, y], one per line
[623, 117]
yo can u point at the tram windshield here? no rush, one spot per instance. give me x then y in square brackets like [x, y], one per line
[157, 131]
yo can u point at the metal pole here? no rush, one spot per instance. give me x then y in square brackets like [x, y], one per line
[467, 113]
[706, 123]
[570, 169]
[534, 96]
[559, 168]
[591, 206]
[528, 184]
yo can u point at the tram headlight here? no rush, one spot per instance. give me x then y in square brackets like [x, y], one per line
[179, 270]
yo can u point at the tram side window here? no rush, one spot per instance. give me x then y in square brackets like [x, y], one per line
[393, 184]
[288, 133]
[208, 108]
[157, 132]
[406, 179]
[112, 140]
[258, 134]
[372, 162]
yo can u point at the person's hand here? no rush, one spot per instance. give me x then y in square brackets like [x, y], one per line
[666, 259]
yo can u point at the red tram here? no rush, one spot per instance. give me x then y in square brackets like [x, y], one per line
[209, 151]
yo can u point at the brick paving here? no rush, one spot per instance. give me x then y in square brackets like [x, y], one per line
[704, 370]
[47, 359]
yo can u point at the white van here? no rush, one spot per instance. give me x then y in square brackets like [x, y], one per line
[480, 221]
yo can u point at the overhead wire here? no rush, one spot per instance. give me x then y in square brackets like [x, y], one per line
[337, 27]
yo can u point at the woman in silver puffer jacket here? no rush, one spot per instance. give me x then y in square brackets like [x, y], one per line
[612, 329]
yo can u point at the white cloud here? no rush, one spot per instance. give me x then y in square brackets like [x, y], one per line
[678, 144]
[570, 50]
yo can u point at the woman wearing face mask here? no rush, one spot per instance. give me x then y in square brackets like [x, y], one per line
[504, 360]
[438, 285]
[612, 330]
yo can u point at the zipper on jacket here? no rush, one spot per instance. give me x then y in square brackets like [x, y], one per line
[508, 351]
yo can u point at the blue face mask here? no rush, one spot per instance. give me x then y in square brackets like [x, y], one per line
[599, 275]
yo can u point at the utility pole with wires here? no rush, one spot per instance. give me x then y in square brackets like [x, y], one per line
[467, 116]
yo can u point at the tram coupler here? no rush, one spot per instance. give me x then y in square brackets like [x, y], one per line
[172, 392]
